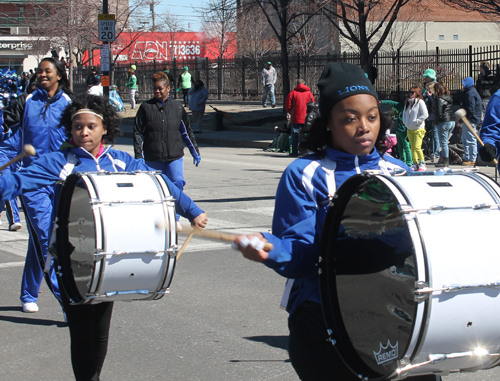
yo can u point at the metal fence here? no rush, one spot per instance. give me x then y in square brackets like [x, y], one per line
[238, 79]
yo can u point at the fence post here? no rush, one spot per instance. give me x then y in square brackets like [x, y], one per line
[437, 56]
[243, 81]
[298, 65]
[470, 60]
[398, 74]
[219, 78]
[207, 72]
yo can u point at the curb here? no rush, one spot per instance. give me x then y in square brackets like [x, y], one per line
[222, 142]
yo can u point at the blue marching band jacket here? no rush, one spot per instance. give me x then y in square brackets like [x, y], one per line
[302, 200]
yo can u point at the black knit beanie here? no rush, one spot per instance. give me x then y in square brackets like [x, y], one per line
[341, 80]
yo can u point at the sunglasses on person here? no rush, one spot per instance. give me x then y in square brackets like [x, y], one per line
[412, 92]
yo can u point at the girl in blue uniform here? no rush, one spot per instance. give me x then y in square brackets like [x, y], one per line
[347, 139]
[88, 120]
[37, 116]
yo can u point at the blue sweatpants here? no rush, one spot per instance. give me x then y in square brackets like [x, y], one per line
[38, 206]
[11, 206]
[174, 170]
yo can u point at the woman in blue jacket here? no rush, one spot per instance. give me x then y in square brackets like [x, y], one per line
[347, 139]
[37, 116]
[198, 96]
[88, 120]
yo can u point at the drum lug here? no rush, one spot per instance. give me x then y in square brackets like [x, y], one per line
[421, 296]
[330, 339]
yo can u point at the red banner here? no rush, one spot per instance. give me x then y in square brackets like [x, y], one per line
[161, 47]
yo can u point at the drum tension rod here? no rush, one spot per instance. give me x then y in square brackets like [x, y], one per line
[439, 357]
[423, 290]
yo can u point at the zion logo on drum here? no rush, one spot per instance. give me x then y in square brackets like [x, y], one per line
[386, 353]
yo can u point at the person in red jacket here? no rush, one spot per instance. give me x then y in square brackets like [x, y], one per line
[296, 107]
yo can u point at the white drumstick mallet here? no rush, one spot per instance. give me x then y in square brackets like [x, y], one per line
[210, 234]
[461, 114]
[28, 150]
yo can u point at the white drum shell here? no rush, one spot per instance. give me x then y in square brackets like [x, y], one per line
[134, 260]
[454, 247]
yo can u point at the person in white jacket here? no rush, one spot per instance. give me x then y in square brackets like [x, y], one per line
[414, 115]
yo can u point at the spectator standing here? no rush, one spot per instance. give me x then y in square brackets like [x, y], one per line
[198, 96]
[296, 107]
[96, 89]
[161, 130]
[269, 77]
[92, 79]
[471, 102]
[429, 122]
[443, 120]
[485, 98]
[414, 115]
[185, 83]
[403, 143]
[132, 85]
[171, 79]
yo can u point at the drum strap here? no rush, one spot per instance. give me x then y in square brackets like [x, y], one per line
[329, 167]
[68, 168]
[65, 172]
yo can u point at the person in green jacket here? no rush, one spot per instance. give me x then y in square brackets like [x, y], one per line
[132, 85]
[401, 134]
[185, 84]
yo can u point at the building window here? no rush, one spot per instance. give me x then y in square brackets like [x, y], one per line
[441, 37]
[455, 37]
[21, 11]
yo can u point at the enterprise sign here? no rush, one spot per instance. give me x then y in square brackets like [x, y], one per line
[16, 45]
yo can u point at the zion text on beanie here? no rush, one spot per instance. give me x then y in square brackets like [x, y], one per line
[341, 80]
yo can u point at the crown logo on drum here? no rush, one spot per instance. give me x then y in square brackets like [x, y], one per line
[386, 353]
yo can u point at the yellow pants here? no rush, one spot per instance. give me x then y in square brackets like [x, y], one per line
[415, 137]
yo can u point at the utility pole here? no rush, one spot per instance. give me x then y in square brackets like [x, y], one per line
[105, 88]
[152, 8]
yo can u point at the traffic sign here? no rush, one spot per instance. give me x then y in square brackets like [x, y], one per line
[106, 27]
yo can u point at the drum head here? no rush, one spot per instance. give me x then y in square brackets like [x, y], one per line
[367, 277]
[75, 239]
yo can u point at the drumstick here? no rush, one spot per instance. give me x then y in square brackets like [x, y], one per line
[185, 244]
[28, 150]
[460, 114]
[211, 234]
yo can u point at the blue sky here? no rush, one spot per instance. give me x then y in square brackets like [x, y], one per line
[184, 11]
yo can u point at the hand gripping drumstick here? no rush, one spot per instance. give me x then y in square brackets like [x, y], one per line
[460, 114]
[28, 150]
[212, 234]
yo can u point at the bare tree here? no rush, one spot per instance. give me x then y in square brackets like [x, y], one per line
[281, 15]
[219, 25]
[307, 40]
[254, 39]
[402, 34]
[483, 6]
[172, 27]
[366, 23]
[72, 24]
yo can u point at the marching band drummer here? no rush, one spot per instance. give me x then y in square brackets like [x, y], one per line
[88, 120]
[345, 140]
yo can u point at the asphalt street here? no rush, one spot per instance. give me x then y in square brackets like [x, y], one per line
[221, 319]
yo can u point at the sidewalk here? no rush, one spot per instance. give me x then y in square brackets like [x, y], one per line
[246, 125]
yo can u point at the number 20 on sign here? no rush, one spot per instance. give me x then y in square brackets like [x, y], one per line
[106, 27]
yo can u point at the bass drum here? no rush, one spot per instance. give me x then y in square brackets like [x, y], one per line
[108, 246]
[409, 274]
